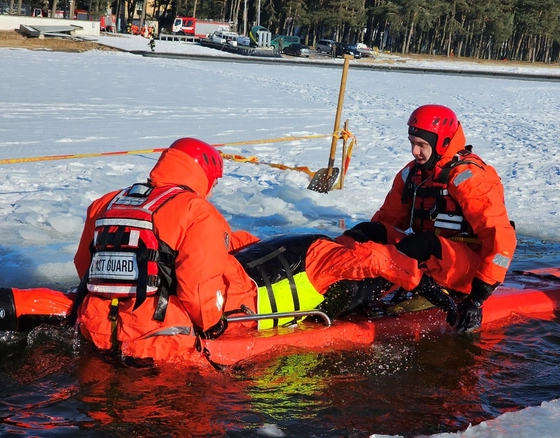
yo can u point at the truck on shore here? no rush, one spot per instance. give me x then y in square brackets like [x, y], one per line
[196, 27]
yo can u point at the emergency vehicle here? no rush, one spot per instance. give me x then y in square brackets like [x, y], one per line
[196, 27]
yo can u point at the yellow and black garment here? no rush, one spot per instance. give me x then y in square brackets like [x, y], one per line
[277, 265]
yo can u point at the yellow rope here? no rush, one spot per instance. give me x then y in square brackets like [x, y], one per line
[255, 160]
[148, 151]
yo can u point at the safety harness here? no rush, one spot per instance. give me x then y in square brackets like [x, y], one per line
[434, 203]
[128, 260]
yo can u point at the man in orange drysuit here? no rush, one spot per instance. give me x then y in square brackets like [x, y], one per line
[175, 275]
[446, 209]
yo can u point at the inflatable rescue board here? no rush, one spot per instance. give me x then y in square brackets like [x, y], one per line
[534, 293]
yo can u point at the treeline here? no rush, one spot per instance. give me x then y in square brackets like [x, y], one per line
[527, 30]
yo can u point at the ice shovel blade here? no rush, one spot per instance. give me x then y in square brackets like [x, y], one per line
[322, 182]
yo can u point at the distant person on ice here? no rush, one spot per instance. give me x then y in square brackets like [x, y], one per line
[446, 209]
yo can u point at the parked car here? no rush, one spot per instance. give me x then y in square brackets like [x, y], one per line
[285, 41]
[243, 40]
[225, 36]
[346, 49]
[324, 46]
[298, 50]
[364, 50]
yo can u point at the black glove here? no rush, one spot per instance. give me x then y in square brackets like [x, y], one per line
[439, 297]
[470, 309]
[217, 329]
[368, 232]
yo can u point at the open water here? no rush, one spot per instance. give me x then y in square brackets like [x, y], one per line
[52, 385]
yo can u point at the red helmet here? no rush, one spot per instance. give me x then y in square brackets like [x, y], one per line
[438, 120]
[205, 155]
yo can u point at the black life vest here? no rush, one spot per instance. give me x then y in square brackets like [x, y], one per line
[128, 260]
[434, 208]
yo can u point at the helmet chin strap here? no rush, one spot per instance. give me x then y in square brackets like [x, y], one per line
[431, 163]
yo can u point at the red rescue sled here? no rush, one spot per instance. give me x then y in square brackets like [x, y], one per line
[535, 293]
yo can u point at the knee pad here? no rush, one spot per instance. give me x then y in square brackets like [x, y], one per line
[368, 232]
[421, 246]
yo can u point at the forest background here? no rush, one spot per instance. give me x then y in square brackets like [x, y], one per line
[521, 30]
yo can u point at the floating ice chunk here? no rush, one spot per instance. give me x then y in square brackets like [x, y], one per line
[66, 224]
[34, 235]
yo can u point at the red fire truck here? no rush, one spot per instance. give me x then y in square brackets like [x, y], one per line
[197, 27]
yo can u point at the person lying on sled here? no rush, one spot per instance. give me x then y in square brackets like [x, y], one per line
[451, 204]
[159, 264]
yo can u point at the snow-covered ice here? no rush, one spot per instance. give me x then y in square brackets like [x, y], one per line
[98, 102]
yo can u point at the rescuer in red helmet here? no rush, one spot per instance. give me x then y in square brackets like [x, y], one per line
[163, 244]
[446, 209]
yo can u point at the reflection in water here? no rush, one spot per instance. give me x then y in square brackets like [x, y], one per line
[438, 384]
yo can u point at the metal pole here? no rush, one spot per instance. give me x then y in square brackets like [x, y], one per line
[245, 19]
[143, 14]
[295, 314]
[259, 14]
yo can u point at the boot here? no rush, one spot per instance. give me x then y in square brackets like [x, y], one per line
[348, 296]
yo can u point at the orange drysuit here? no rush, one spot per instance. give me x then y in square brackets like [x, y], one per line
[204, 268]
[328, 262]
[469, 216]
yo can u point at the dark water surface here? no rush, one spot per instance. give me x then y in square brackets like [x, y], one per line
[441, 384]
[51, 385]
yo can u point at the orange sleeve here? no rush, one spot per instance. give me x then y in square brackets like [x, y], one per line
[393, 212]
[82, 258]
[241, 289]
[240, 239]
[480, 194]
[201, 236]
[328, 262]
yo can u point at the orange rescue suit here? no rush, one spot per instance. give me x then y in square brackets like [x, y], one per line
[471, 189]
[194, 228]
